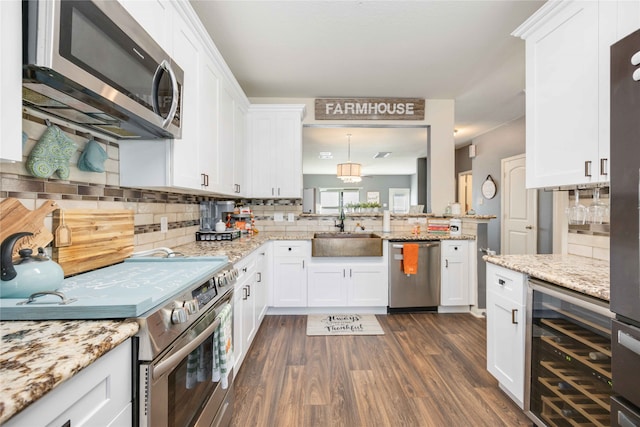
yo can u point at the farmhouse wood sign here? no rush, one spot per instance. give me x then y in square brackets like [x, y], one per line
[369, 109]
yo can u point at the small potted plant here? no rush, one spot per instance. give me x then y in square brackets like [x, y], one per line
[375, 206]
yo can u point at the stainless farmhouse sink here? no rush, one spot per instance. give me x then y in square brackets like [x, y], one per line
[346, 244]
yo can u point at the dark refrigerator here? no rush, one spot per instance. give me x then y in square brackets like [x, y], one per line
[625, 230]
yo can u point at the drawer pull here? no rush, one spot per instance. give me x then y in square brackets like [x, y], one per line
[514, 312]
[501, 282]
[629, 342]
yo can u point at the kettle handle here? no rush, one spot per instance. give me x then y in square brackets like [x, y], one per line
[6, 249]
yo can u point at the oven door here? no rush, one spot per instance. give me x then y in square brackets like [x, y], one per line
[181, 388]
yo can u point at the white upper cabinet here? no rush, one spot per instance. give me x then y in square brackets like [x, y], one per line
[275, 147]
[567, 89]
[11, 81]
[213, 112]
[156, 17]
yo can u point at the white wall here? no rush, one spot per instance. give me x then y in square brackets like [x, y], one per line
[439, 115]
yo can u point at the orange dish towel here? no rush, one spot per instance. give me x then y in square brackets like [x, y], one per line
[410, 258]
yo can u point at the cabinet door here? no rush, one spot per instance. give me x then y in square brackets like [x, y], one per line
[263, 148]
[248, 312]
[562, 98]
[261, 284]
[505, 343]
[239, 151]
[11, 81]
[186, 151]
[454, 273]
[238, 336]
[327, 285]
[156, 17]
[288, 170]
[368, 286]
[289, 282]
[209, 128]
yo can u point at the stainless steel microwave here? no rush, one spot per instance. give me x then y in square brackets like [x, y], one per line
[92, 64]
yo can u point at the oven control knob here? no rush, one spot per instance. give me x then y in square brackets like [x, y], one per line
[191, 306]
[178, 315]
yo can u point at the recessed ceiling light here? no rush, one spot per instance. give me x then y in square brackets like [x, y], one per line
[382, 154]
[325, 155]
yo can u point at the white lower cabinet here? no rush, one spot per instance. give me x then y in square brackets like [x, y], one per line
[250, 301]
[98, 395]
[347, 284]
[290, 262]
[456, 273]
[506, 326]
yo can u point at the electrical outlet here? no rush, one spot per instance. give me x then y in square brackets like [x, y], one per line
[164, 224]
[291, 217]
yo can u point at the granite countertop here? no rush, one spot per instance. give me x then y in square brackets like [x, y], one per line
[37, 356]
[237, 249]
[585, 275]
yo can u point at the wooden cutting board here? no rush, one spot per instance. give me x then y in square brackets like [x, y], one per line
[15, 217]
[98, 238]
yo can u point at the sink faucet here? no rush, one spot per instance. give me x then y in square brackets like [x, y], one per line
[341, 218]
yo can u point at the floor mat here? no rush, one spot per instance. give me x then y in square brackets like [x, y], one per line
[343, 324]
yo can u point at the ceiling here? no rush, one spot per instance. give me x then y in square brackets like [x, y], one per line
[459, 50]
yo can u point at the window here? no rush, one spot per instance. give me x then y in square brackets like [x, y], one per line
[331, 199]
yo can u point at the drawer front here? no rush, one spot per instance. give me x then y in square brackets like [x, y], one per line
[451, 249]
[508, 283]
[625, 347]
[297, 248]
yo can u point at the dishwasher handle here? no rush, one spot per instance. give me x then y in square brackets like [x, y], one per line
[421, 244]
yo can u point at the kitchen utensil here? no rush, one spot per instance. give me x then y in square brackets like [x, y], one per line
[31, 274]
[101, 237]
[15, 218]
[62, 233]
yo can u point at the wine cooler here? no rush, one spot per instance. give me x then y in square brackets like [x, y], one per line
[569, 358]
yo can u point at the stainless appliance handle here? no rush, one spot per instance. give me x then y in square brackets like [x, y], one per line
[629, 342]
[165, 65]
[422, 245]
[173, 361]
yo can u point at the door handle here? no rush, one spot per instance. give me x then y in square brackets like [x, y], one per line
[514, 312]
[603, 166]
[529, 227]
[587, 168]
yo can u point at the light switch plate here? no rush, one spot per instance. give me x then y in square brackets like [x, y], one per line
[278, 217]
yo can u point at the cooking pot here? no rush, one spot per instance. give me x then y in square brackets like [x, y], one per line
[30, 274]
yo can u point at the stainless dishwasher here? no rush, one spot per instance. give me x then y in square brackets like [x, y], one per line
[413, 292]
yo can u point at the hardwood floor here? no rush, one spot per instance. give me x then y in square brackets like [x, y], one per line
[427, 370]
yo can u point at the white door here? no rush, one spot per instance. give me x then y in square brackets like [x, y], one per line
[519, 209]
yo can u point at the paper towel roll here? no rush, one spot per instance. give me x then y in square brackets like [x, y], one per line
[386, 222]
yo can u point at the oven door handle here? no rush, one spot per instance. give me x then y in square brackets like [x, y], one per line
[173, 361]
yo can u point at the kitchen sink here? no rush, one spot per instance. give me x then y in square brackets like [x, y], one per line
[346, 245]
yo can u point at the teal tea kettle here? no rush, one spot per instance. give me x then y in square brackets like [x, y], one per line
[30, 274]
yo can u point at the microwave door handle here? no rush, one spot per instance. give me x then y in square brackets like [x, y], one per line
[173, 360]
[166, 66]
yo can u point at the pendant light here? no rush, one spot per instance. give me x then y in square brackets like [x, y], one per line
[349, 172]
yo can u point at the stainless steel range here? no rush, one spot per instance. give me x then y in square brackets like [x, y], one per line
[184, 307]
